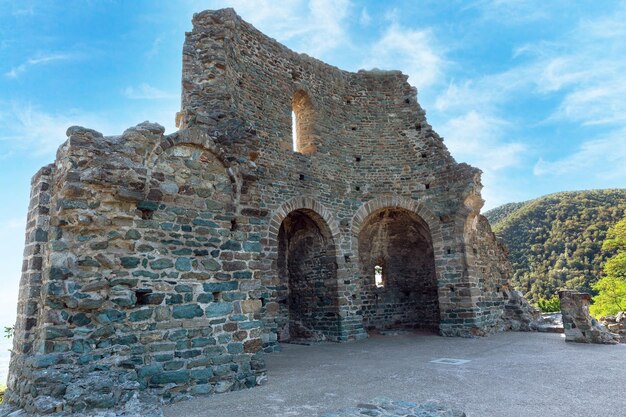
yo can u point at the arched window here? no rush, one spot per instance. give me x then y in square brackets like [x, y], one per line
[302, 117]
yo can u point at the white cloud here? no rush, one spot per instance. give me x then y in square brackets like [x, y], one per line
[25, 128]
[147, 92]
[37, 61]
[599, 158]
[595, 104]
[314, 26]
[478, 139]
[412, 51]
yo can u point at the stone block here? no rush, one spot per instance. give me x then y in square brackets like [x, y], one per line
[218, 309]
[187, 311]
[251, 306]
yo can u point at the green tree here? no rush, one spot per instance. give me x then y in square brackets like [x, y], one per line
[611, 289]
[611, 298]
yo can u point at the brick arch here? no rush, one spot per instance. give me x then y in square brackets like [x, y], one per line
[201, 139]
[318, 320]
[302, 203]
[393, 201]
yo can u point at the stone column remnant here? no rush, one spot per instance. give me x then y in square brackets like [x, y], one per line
[578, 325]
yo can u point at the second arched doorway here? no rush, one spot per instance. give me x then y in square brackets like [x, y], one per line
[397, 268]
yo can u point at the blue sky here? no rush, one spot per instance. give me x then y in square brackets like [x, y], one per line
[531, 92]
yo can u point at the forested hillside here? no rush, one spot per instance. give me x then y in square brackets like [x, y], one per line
[556, 240]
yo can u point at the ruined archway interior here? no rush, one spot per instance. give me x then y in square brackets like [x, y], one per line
[398, 272]
[308, 275]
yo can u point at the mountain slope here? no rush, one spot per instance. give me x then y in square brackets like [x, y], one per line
[555, 241]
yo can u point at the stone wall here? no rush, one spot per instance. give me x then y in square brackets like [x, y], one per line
[578, 325]
[173, 262]
[616, 324]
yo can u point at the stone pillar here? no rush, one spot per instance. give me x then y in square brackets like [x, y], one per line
[29, 303]
[578, 325]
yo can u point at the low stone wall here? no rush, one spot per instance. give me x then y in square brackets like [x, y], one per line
[616, 324]
[578, 325]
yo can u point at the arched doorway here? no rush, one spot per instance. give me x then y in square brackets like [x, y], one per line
[397, 265]
[307, 269]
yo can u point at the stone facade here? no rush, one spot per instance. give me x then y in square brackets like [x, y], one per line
[578, 325]
[174, 262]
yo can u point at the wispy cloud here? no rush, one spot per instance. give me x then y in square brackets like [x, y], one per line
[24, 128]
[601, 158]
[156, 46]
[478, 139]
[413, 51]
[147, 92]
[39, 60]
[581, 79]
[314, 26]
[365, 18]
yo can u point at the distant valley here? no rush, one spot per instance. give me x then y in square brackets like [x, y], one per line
[556, 240]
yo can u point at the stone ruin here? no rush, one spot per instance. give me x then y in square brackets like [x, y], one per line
[616, 324]
[578, 325]
[172, 263]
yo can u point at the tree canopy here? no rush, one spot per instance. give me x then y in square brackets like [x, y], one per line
[611, 288]
[556, 241]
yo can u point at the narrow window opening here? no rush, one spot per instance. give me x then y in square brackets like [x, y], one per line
[294, 131]
[302, 123]
[378, 276]
[357, 188]
[357, 158]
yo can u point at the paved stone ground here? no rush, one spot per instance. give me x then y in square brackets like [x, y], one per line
[382, 407]
[508, 375]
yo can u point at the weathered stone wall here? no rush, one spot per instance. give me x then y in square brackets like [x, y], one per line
[172, 263]
[616, 324]
[578, 325]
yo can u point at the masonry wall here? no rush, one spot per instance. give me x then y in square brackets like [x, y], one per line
[172, 263]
